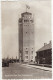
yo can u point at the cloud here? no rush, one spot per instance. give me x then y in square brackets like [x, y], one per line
[11, 12]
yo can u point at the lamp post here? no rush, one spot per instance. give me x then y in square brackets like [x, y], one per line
[20, 56]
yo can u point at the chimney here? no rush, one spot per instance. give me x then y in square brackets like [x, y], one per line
[50, 42]
[45, 44]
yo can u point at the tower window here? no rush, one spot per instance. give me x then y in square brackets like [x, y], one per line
[26, 32]
[29, 17]
[26, 52]
[32, 52]
[31, 20]
[32, 57]
[26, 20]
[26, 57]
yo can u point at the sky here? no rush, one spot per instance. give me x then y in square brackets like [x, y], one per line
[11, 12]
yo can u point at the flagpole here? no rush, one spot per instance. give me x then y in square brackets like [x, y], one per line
[26, 8]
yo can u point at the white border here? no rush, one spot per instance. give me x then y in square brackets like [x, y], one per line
[52, 34]
[1, 43]
[0, 47]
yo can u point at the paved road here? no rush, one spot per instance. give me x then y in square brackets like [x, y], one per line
[18, 71]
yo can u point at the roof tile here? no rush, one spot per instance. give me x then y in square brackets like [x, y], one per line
[47, 46]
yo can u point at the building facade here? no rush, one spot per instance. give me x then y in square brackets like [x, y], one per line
[26, 37]
[44, 54]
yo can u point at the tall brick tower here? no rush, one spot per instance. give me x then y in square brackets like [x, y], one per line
[26, 37]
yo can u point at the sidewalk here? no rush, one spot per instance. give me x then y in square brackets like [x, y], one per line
[38, 67]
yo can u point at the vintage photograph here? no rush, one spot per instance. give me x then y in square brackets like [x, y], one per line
[26, 39]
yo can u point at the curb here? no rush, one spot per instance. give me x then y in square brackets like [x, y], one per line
[38, 67]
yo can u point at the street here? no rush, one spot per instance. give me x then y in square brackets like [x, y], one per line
[19, 71]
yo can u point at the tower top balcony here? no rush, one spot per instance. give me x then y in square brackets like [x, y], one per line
[26, 13]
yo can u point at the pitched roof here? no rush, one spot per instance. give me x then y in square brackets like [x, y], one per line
[45, 47]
